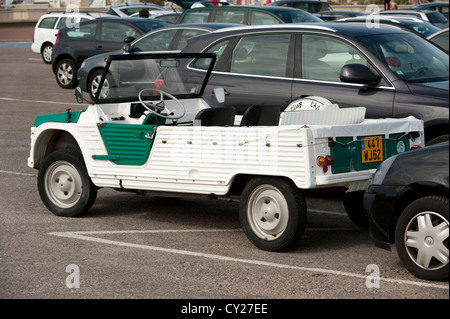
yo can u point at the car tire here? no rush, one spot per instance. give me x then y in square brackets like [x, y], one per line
[272, 213]
[438, 140]
[46, 52]
[64, 184]
[94, 82]
[353, 204]
[66, 74]
[421, 238]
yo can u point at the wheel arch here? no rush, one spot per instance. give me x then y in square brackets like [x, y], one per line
[45, 43]
[51, 140]
[240, 180]
[407, 198]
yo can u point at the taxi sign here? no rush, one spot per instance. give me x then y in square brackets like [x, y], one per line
[372, 149]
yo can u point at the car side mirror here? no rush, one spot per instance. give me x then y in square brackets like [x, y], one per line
[358, 73]
[127, 46]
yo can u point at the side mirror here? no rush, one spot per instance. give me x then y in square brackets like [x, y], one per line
[358, 73]
[219, 94]
[127, 46]
[79, 95]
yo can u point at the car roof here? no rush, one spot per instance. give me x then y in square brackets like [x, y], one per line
[334, 27]
[260, 8]
[204, 25]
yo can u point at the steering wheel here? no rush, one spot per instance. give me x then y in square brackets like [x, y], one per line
[159, 107]
[420, 72]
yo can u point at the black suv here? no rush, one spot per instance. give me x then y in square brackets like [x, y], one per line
[393, 73]
[89, 38]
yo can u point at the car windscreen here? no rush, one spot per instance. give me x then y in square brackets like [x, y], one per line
[127, 75]
[411, 58]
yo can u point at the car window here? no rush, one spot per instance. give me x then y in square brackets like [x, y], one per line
[187, 34]
[218, 49]
[69, 22]
[48, 23]
[262, 18]
[115, 32]
[324, 57]
[196, 17]
[261, 55]
[436, 17]
[86, 31]
[158, 41]
[412, 58]
[230, 16]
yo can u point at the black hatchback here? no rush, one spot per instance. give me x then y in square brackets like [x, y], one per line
[391, 72]
[74, 45]
[407, 204]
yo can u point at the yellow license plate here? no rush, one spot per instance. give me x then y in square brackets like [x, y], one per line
[372, 149]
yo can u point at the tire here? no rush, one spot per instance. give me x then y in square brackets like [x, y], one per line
[437, 140]
[272, 213]
[94, 82]
[353, 203]
[46, 53]
[66, 74]
[422, 231]
[64, 184]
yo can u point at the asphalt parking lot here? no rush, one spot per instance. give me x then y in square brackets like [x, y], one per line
[136, 247]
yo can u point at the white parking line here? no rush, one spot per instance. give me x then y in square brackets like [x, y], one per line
[17, 173]
[83, 235]
[36, 101]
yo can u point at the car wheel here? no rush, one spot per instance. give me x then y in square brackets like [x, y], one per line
[64, 184]
[46, 52]
[353, 204]
[66, 74]
[272, 213]
[421, 237]
[437, 140]
[94, 82]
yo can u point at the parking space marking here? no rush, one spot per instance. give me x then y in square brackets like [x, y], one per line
[88, 236]
[36, 101]
[17, 173]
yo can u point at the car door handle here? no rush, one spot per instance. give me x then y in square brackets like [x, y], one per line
[99, 47]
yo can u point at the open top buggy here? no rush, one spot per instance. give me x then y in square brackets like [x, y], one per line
[149, 131]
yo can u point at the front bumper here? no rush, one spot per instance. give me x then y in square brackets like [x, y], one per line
[379, 203]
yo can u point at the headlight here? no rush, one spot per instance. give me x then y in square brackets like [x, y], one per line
[382, 170]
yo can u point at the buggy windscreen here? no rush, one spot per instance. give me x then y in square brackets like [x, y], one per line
[126, 75]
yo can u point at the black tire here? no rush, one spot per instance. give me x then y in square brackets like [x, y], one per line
[46, 52]
[353, 203]
[272, 213]
[64, 184]
[430, 239]
[94, 81]
[437, 140]
[66, 74]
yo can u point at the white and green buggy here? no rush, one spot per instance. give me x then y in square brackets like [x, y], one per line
[149, 131]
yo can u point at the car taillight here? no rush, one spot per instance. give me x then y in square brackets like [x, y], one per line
[324, 162]
[57, 38]
[415, 147]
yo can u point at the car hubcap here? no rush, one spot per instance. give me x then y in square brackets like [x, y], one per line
[95, 85]
[65, 73]
[426, 240]
[47, 54]
[63, 184]
[267, 212]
